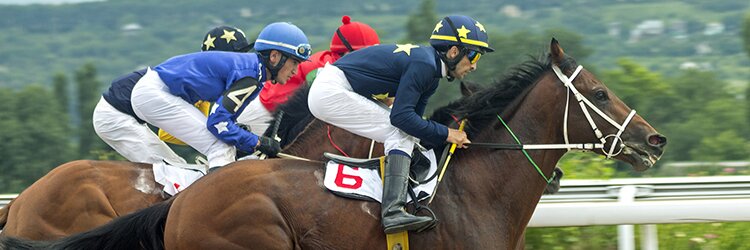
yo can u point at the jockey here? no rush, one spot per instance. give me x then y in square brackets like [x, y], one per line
[165, 94]
[343, 95]
[350, 36]
[116, 123]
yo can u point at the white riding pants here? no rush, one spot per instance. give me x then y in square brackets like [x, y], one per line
[332, 100]
[153, 103]
[133, 140]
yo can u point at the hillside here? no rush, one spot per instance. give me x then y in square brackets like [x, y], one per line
[122, 35]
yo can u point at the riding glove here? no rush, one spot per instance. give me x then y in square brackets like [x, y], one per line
[268, 146]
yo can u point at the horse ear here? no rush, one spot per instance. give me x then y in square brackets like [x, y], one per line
[556, 52]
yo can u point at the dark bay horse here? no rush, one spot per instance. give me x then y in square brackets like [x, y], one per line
[484, 202]
[81, 195]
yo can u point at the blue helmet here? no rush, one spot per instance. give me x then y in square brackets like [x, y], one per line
[286, 38]
[462, 31]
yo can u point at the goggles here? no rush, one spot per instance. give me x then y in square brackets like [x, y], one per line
[473, 56]
[303, 50]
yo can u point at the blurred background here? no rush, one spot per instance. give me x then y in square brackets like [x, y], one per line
[683, 65]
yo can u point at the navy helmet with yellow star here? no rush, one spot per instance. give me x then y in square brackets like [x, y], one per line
[462, 31]
[225, 38]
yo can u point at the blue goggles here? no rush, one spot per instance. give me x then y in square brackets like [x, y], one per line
[304, 51]
[473, 56]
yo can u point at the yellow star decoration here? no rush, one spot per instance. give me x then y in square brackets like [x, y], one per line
[209, 42]
[480, 26]
[380, 96]
[406, 48]
[463, 32]
[438, 26]
[229, 36]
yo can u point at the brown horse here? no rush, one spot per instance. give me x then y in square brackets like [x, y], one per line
[81, 195]
[84, 194]
[484, 202]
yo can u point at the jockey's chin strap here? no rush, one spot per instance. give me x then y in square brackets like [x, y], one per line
[584, 103]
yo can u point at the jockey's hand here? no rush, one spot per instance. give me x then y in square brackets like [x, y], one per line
[457, 137]
[268, 146]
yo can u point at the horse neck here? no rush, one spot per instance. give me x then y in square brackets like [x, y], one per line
[503, 184]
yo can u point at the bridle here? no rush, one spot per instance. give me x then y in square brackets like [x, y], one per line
[585, 105]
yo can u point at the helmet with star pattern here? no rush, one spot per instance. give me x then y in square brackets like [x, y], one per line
[225, 38]
[462, 31]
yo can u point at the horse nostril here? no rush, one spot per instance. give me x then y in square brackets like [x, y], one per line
[657, 140]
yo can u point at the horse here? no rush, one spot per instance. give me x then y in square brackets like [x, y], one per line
[485, 200]
[83, 194]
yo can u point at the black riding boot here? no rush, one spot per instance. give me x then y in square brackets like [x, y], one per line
[394, 215]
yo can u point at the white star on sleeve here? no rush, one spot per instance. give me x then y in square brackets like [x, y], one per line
[221, 127]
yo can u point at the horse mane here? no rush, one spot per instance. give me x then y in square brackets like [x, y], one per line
[296, 116]
[482, 108]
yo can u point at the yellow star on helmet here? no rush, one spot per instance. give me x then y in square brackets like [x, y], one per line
[229, 36]
[209, 42]
[438, 26]
[463, 32]
[406, 48]
[480, 26]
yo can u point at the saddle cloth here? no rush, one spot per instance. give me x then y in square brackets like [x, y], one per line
[366, 184]
[177, 177]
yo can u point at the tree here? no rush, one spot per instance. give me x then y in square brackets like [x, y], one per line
[746, 43]
[421, 23]
[643, 90]
[34, 141]
[87, 87]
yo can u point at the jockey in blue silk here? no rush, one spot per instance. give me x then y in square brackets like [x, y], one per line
[117, 124]
[344, 94]
[165, 94]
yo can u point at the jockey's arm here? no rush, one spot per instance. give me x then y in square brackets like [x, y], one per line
[411, 98]
[221, 119]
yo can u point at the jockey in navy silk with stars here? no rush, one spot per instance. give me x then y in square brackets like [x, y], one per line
[165, 94]
[344, 94]
[116, 123]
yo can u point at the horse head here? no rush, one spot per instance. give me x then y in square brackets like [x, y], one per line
[625, 135]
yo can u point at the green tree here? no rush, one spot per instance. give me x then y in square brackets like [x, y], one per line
[87, 87]
[746, 42]
[643, 90]
[703, 109]
[420, 24]
[61, 90]
[34, 139]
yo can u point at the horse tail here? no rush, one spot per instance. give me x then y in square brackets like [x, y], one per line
[4, 214]
[140, 230]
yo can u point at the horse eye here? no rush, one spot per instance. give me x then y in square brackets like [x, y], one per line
[601, 95]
